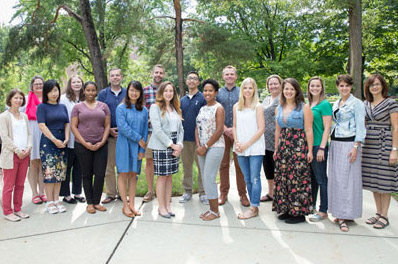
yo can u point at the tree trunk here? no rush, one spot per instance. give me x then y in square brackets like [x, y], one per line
[93, 45]
[355, 31]
[179, 49]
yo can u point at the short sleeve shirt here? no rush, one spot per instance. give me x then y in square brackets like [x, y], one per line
[54, 116]
[324, 108]
[91, 122]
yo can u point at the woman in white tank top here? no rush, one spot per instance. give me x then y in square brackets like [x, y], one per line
[248, 130]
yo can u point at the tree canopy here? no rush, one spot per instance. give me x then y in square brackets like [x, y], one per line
[296, 39]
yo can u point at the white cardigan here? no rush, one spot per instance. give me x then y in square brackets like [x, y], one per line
[8, 148]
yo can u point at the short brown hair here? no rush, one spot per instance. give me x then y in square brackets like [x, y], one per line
[372, 78]
[12, 93]
[157, 66]
[344, 78]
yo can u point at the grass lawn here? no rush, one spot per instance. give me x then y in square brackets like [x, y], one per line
[177, 181]
[395, 196]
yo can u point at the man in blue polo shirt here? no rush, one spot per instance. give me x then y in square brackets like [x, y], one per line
[190, 106]
[112, 96]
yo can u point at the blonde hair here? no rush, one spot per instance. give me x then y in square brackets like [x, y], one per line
[241, 101]
[229, 67]
[276, 77]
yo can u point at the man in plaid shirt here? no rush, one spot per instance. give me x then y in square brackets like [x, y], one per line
[150, 98]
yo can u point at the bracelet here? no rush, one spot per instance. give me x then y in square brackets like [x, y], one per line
[206, 146]
[356, 147]
[394, 148]
[320, 148]
[53, 138]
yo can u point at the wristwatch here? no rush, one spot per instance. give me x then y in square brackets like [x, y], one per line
[356, 147]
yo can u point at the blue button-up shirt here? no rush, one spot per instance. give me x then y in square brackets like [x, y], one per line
[227, 98]
[349, 121]
[109, 97]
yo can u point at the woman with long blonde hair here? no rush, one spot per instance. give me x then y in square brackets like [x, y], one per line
[248, 130]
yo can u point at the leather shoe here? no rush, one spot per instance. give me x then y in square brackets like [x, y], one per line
[223, 198]
[244, 201]
[100, 208]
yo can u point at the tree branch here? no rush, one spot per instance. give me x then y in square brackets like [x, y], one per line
[84, 67]
[193, 20]
[69, 11]
[79, 49]
[162, 17]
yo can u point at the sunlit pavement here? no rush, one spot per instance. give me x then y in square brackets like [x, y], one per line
[110, 237]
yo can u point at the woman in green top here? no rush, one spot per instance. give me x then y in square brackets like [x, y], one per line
[322, 111]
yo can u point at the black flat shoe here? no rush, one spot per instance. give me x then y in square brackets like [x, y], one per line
[284, 216]
[70, 201]
[295, 219]
[80, 199]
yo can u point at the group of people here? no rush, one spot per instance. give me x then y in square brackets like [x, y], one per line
[85, 139]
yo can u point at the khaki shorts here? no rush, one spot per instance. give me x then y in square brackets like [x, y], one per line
[148, 151]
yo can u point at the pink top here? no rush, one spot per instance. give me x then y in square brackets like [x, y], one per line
[91, 122]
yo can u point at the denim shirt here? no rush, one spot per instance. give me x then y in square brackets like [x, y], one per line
[349, 121]
[227, 98]
[295, 119]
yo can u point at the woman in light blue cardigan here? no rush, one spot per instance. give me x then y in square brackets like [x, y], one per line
[166, 143]
[132, 122]
[345, 172]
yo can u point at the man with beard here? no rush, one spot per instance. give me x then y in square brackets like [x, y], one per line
[150, 98]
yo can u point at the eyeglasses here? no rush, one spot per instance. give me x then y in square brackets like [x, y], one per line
[375, 85]
[193, 79]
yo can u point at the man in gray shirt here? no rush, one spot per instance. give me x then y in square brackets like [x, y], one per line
[228, 96]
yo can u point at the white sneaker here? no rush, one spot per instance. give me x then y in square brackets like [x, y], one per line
[203, 199]
[12, 218]
[185, 198]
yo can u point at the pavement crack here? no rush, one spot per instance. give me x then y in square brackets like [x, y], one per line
[122, 237]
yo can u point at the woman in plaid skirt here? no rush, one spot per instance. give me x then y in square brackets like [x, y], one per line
[166, 143]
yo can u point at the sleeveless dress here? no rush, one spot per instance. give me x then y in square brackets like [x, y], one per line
[377, 174]
[292, 170]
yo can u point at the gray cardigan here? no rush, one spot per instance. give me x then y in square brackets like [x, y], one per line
[161, 138]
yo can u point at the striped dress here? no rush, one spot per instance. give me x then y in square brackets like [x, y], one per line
[377, 174]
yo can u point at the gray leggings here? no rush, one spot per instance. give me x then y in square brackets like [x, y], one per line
[209, 165]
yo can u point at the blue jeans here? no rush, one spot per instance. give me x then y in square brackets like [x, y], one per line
[251, 167]
[319, 179]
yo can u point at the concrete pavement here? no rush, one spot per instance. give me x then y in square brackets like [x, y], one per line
[110, 237]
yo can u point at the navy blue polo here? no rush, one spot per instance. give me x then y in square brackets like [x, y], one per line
[190, 109]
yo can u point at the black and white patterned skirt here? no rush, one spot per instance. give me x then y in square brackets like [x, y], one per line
[163, 160]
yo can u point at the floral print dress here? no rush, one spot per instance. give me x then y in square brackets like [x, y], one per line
[292, 170]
